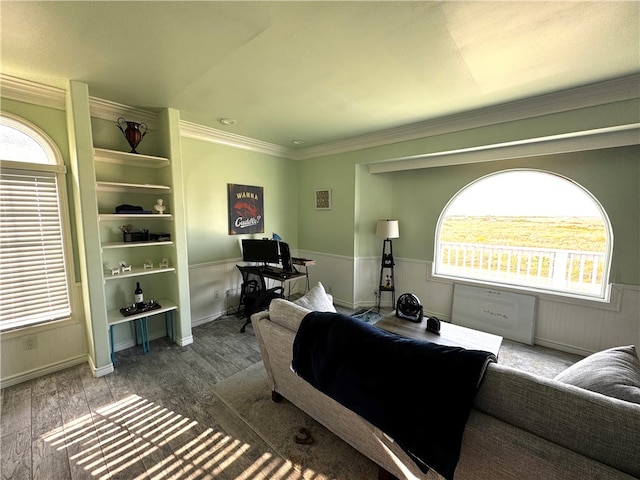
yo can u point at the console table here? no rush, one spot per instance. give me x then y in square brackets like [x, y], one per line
[114, 317]
[450, 334]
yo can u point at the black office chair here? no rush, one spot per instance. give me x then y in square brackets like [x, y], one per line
[254, 294]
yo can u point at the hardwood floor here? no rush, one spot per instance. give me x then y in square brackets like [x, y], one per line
[154, 417]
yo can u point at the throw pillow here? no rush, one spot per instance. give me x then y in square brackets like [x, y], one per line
[614, 372]
[317, 299]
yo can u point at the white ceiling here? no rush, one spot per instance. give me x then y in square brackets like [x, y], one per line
[319, 71]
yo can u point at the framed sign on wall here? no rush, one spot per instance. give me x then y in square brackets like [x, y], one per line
[246, 209]
[323, 199]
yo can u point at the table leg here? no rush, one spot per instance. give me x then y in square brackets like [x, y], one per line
[113, 353]
[135, 332]
[168, 325]
[144, 327]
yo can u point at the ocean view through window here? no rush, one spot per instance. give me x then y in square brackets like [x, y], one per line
[528, 229]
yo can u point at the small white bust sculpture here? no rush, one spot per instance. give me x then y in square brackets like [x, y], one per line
[159, 207]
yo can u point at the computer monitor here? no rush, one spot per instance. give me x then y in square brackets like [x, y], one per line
[285, 258]
[260, 251]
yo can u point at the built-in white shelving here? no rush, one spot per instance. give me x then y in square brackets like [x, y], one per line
[138, 272]
[132, 159]
[117, 187]
[107, 246]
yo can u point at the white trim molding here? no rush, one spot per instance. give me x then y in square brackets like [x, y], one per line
[212, 135]
[111, 111]
[27, 91]
[602, 93]
[607, 137]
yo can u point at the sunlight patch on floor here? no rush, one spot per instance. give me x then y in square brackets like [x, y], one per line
[114, 438]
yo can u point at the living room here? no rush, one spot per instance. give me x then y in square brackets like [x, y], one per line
[342, 239]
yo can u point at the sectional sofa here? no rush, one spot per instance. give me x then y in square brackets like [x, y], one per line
[522, 426]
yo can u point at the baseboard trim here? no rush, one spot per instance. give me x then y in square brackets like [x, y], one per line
[38, 372]
[563, 347]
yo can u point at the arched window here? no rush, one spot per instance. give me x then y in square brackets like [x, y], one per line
[34, 282]
[526, 228]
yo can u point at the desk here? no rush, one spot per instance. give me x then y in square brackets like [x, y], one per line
[306, 263]
[450, 334]
[276, 273]
[283, 277]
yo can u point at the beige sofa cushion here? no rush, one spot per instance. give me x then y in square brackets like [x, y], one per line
[286, 313]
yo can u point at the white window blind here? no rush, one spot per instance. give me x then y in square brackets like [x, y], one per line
[33, 278]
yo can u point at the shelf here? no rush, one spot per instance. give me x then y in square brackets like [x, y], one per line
[114, 317]
[138, 272]
[107, 246]
[131, 187]
[132, 159]
[130, 216]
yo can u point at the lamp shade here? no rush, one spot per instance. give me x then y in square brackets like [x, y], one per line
[387, 229]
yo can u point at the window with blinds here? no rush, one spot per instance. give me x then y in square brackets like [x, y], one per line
[33, 277]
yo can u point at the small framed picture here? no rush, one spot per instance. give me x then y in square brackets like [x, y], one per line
[323, 199]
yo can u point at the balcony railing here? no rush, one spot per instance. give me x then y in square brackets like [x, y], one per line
[571, 271]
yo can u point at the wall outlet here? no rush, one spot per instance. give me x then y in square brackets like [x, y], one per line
[216, 294]
[30, 342]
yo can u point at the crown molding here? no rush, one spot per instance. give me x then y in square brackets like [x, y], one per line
[107, 110]
[208, 134]
[616, 90]
[21, 90]
[608, 137]
[610, 91]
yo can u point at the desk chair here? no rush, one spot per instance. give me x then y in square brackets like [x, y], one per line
[254, 294]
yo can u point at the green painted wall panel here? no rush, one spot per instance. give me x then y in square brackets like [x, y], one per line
[208, 168]
[417, 197]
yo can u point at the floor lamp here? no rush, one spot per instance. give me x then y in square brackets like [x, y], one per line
[387, 229]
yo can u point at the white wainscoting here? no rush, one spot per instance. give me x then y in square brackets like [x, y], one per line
[571, 325]
[58, 345]
[215, 290]
[335, 272]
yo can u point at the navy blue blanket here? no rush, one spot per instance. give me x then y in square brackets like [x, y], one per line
[417, 392]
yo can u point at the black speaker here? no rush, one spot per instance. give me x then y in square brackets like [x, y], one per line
[433, 325]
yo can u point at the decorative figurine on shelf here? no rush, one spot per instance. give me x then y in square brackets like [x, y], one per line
[148, 264]
[124, 267]
[113, 270]
[164, 263]
[133, 132]
[388, 284]
[160, 207]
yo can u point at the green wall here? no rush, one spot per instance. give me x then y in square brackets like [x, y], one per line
[611, 175]
[417, 197]
[208, 168]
